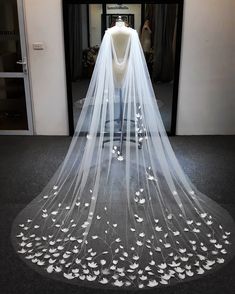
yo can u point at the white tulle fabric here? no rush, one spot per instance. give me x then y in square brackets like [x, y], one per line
[120, 211]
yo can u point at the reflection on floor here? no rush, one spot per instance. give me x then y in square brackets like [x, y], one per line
[163, 93]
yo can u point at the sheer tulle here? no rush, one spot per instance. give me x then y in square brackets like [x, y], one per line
[119, 211]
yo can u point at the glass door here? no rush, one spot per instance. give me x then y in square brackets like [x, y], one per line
[15, 102]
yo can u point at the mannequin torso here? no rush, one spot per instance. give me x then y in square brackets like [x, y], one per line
[120, 37]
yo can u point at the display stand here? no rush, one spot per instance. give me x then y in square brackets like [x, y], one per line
[120, 135]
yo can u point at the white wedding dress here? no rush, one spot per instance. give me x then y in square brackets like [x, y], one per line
[120, 211]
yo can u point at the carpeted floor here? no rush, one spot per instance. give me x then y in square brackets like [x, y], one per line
[26, 165]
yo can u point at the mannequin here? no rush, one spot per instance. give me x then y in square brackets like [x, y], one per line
[120, 35]
[120, 41]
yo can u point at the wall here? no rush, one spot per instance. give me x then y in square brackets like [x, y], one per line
[207, 80]
[47, 67]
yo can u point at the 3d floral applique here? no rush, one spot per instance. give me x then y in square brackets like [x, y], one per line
[104, 281]
[92, 266]
[158, 229]
[117, 153]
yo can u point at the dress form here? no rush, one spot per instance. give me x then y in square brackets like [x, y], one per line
[120, 40]
[120, 44]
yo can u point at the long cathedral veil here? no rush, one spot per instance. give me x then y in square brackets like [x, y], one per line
[120, 211]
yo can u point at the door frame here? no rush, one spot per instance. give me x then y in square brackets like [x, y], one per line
[180, 3]
[23, 75]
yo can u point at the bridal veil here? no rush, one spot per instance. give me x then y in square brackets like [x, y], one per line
[120, 211]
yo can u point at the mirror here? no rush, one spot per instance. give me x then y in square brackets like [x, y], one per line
[159, 29]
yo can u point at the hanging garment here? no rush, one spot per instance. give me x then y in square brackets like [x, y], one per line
[146, 38]
[120, 211]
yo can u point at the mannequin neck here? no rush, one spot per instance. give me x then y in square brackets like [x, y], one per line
[120, 24]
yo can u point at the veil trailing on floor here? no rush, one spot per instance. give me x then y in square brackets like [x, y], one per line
[119, 211]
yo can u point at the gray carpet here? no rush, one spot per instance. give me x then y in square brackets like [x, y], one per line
[26, 165]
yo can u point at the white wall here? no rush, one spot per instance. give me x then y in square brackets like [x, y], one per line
[207, 79]
[47, 67]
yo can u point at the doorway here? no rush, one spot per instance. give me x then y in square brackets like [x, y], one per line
[84, 26]
[15, 102]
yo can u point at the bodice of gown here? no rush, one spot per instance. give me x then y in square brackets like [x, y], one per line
[120, 42]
